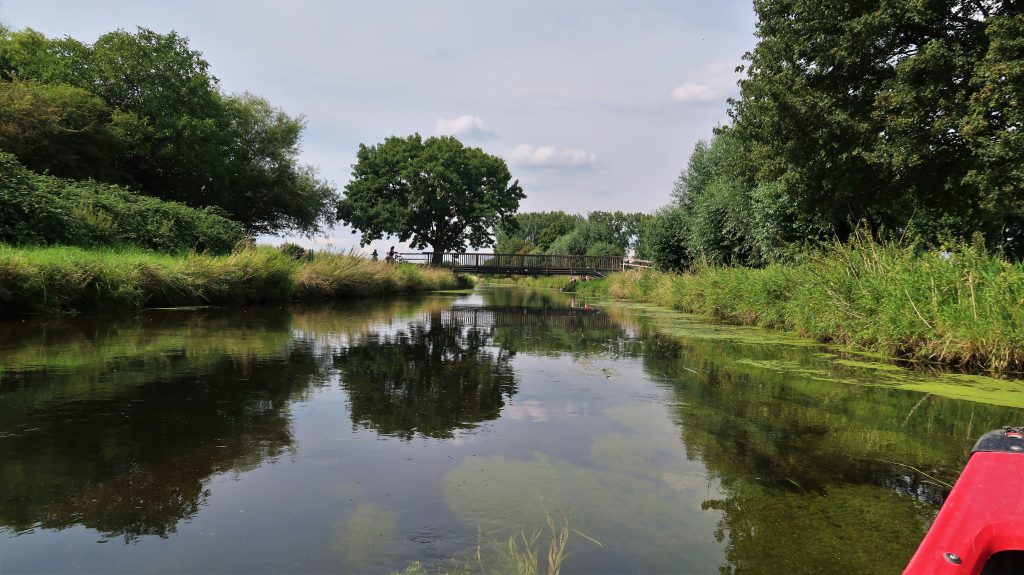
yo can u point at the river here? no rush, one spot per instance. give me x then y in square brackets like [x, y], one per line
[421, 433]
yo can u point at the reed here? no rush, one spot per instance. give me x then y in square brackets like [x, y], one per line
[62, 279]
[960, 306]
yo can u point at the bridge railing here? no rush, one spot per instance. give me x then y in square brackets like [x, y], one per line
[527, 263]
[633, 263]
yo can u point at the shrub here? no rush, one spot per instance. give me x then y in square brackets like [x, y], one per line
[44, 210]
[295, 251]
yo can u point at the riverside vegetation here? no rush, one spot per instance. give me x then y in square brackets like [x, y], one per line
[38, 209]
[62, 279]
[961, 307]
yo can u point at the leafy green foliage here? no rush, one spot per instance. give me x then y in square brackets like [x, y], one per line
[570, 234]
[38, 209]
[901, 114]
[432, 192]
[994, 128]
[584, 236]
[717, 204]
[664, 239]
[604, 249]
[534, 231]
[58, 129]
[295, 251]
[265, 186]
[179, 137]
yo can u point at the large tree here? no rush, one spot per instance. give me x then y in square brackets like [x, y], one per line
[434, 192]
[179, 137]
[901, 113]
[58, 129]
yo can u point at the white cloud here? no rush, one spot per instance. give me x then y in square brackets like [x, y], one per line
[712, 82]
[693, 92]
[464, 126]
[550, 157]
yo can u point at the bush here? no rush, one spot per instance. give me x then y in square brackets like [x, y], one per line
[44, 210]
[295, 251]
[605, 249]
[663, 239]
[58, 129]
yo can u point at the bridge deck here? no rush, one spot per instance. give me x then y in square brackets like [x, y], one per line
[521, 264]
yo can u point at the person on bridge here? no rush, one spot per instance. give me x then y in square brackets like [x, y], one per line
[391, 255]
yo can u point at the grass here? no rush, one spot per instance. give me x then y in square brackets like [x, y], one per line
[520, 556]
[62, 279]
[962, 307]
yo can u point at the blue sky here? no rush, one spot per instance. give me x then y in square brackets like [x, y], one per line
[594, 105]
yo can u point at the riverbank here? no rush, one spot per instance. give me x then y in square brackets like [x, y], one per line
[65, 279]
[963, 307]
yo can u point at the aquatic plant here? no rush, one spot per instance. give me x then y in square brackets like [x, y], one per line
[519, 556]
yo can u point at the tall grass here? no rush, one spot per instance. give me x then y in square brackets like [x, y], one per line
[963, 306]
[60, 279]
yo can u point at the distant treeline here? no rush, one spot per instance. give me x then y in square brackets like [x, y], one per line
[142, 110]
[596, 234]
[904, 116]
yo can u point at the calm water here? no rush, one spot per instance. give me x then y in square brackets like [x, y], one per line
[360, 438]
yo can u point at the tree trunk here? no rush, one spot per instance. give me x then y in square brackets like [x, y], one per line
[437, 258]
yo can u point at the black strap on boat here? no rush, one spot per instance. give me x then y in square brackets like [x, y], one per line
[1009, 439]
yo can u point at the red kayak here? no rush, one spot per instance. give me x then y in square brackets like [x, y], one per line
[980, 528]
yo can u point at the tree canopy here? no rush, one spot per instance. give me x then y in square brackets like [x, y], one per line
[175, 135]
[57, 128]
[434, 192]
[901, 116]
[598, 233]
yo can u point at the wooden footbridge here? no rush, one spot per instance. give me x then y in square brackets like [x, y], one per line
[526, 264]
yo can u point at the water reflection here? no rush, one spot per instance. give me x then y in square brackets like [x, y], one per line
[118, 425]
[834, 464]
[723, 450]
[431, 377]
[545, 322]
[134, 460]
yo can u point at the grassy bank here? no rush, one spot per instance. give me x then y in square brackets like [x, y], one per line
[963, 307]
[60, 279]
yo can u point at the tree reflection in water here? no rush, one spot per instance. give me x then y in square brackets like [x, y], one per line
[428, 378]
[804, 469]
[138, 463]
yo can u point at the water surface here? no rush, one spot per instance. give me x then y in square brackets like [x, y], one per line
[365, 436]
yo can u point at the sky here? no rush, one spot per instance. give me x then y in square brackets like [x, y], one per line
[594, 105]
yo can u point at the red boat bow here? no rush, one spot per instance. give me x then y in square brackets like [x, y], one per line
[980, 528]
